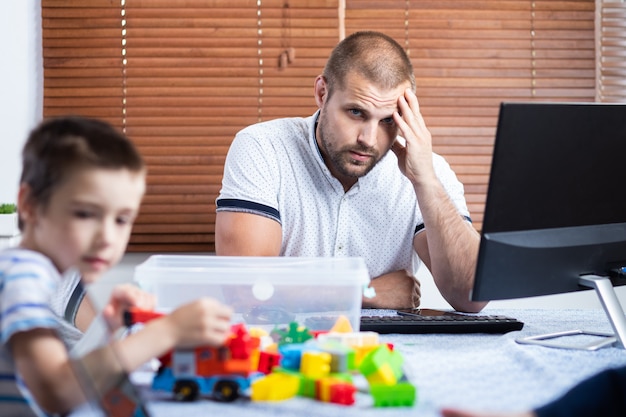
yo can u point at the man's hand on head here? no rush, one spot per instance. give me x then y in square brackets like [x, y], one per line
[415, 155]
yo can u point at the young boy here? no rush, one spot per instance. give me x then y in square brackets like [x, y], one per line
[80, 190]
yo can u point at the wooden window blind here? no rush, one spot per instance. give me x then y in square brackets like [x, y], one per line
[181, 77]
[611, 50]
[82, 59]
[195, 73]
[469, 56]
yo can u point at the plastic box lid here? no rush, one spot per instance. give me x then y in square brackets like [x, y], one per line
[233, 270]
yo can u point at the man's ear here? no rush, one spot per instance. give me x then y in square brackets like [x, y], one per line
[321, 90]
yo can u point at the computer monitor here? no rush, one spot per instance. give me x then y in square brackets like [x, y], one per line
[555, 214]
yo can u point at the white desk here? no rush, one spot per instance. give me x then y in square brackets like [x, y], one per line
[484, 372]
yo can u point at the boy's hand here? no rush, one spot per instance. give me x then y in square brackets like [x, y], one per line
[122, 298]
[202, 322]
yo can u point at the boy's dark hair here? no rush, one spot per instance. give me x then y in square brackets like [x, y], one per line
[373, 55]
[57, 147]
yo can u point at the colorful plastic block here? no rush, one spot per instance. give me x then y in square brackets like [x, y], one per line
[382, 366]
[342, 393]
[291, 356]
[355, 339]
[402, 394]
[342, 357]
[315, 364]
[342, 325]
[308, 387]
[276, 386]
[293, 334]
[240, 343]
[267, 361]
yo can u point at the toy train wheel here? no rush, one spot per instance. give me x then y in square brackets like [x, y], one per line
[226, 391]
[186, 390]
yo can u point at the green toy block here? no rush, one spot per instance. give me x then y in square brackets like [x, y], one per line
[403, 394]
[382, 365]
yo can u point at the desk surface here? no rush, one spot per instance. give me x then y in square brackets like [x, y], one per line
[476, 371]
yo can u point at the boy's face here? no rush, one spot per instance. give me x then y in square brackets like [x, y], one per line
[88, 220]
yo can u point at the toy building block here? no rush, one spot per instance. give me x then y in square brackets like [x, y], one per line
[120, 401]
[402, 394]
[136, 315]
[342, 325]
[322, 388]
[275, 387]
[355, 339]
[308, 387]
[240, 342]
[342, 393]
[267, 361]
[272, 347]
[293, 334]
[342, 357]
[382, 366]
[361, 352]
[342, 362]
[315, 364]
[331, 389]
[291, 356]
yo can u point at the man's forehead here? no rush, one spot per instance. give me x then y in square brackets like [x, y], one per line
[368, 94]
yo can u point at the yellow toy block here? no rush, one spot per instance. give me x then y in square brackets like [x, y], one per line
[323, 388]
[257, 332]
[360, 352]
[383, 375]
[315, 364]
[275, 387]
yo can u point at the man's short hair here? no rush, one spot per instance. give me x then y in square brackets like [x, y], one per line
[373, 55]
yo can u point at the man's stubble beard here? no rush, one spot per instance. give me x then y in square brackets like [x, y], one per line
[340, 159]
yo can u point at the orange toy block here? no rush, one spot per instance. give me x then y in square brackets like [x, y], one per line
[342, 325]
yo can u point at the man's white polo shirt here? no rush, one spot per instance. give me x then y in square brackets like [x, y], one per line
[275, 169]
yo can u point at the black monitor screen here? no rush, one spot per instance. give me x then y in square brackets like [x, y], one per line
[556, 202]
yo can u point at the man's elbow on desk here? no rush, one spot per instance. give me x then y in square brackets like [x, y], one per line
[470, 306]
[460, 301]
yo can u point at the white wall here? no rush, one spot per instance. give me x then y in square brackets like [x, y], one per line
[21, 85]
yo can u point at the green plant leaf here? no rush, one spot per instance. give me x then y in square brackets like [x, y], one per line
[8, 208]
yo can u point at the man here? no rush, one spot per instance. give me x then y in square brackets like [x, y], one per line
[327, 186]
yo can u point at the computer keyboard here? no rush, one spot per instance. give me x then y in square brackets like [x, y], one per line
[444, 322]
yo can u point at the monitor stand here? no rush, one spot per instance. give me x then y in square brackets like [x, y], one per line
[612, 308]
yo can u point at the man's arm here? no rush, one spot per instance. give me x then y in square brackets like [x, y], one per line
[448, 247]
[394, 290]
[246, 234]
[449, 244]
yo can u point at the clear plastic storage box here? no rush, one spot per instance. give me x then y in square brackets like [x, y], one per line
[263, 291]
